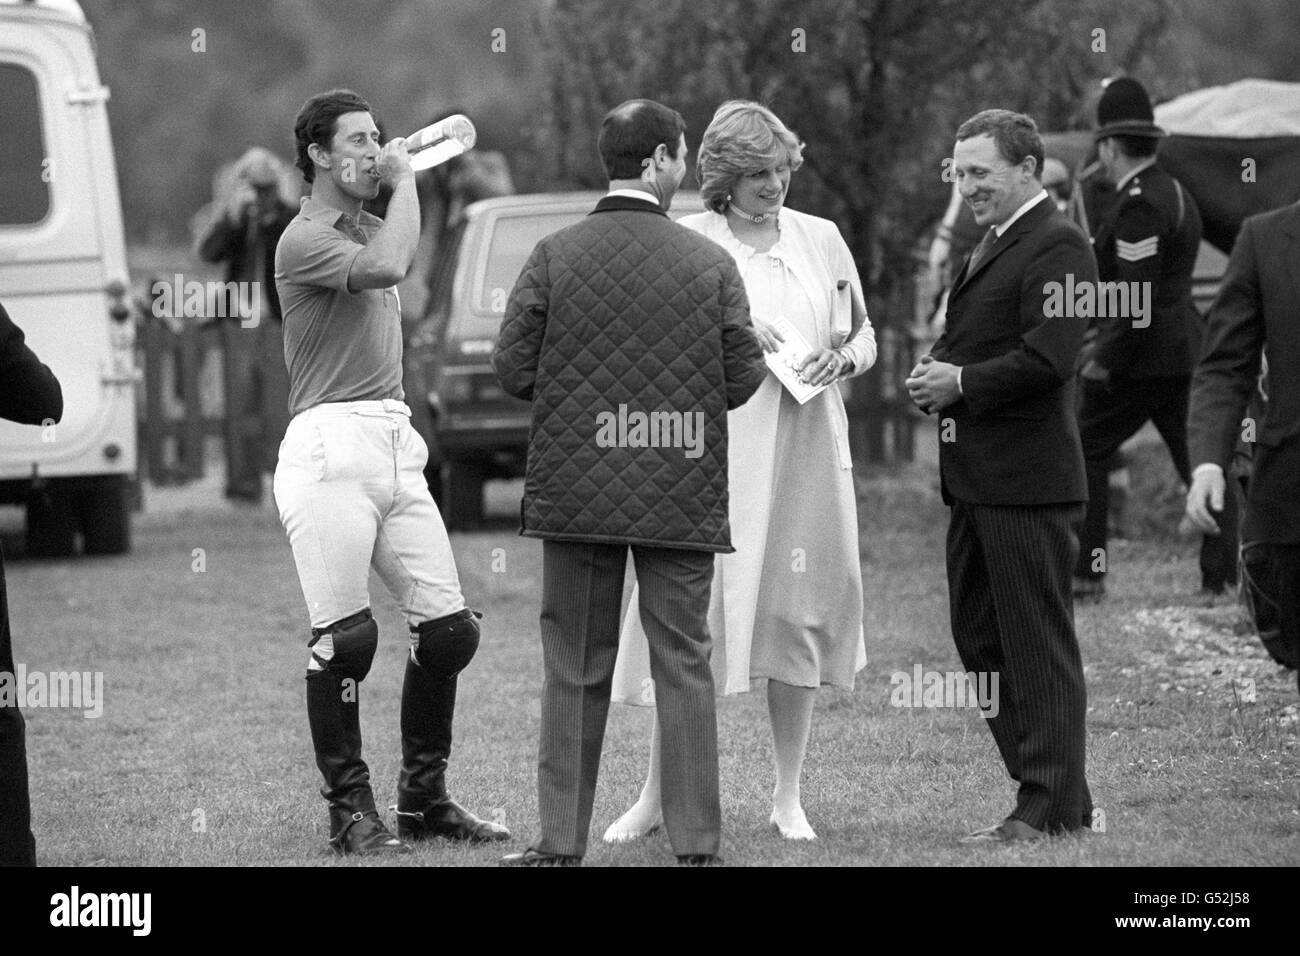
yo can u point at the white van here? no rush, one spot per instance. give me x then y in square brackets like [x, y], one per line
[64, 282]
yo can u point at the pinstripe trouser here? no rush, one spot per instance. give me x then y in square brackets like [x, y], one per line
[1013, 614]
[582, 590]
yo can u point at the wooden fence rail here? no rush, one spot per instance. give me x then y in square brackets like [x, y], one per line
[183, 403]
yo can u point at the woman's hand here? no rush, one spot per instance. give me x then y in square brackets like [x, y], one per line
[769, 338]
[822, 366]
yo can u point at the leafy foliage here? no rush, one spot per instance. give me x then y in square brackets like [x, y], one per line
[877, 93]
[875, 87]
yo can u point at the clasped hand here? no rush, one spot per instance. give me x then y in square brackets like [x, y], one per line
[933, 384]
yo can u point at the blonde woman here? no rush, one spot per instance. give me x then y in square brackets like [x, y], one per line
[787, 605]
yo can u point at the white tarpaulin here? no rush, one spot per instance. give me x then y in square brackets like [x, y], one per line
[1246, 108]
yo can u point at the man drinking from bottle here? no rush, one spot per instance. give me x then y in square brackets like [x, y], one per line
[350, 483]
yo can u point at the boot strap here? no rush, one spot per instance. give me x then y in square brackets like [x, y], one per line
[356, 817]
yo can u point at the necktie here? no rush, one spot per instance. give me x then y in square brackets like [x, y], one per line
[982, 250]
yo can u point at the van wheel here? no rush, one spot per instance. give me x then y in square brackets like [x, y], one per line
[464, 494]
[103, 511]
[51, 530]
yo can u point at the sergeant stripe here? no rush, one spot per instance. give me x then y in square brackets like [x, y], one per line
[1137, 251]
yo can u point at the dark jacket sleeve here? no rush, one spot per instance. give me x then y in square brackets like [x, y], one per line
[29, 392]
[742, 356]
[1045, 358]
[519, 346]
[1230, 363]
[222, 240]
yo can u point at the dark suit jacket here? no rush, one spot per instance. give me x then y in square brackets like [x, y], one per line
[29, 392]
[1014, 435]
[1258, 308]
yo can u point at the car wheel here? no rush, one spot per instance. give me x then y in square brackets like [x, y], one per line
[104, 513]
[464, 504]
[51, 530]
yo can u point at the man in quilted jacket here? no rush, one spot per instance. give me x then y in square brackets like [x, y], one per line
[631, 337]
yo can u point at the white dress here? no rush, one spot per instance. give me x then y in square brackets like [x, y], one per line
[787, 605]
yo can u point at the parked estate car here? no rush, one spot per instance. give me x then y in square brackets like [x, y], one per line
[475, 431]
[64, 282]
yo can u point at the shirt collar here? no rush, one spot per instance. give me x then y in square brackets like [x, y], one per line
[316, 209]
[632, 194]
[1028, 205]
[1147, 164]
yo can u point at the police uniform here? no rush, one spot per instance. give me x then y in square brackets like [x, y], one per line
[1146, 241]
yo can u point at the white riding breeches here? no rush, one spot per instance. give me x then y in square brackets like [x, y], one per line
[352, 495]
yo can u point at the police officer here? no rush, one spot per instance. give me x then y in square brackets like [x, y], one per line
[1140, 369]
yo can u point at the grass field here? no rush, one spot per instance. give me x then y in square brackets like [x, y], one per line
[202, 755]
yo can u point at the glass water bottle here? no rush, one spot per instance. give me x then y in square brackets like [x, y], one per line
[440, 142]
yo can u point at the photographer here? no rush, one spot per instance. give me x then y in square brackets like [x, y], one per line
[243, 233]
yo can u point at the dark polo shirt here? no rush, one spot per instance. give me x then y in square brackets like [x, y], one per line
[340, 346]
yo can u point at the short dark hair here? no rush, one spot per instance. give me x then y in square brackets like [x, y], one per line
[1015, 134]
[1136, 147]
[631, 131]
[317, 122]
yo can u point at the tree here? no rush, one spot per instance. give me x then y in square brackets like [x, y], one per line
[876, 88]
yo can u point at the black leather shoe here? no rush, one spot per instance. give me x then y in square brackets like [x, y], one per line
[1009, 830]
[531, 857]
[700, 859]
[449, 819]
[362, 834]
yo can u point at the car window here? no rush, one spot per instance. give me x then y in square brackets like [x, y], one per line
[24, 173]
[513, 235]
[444, 271]
[513, 238]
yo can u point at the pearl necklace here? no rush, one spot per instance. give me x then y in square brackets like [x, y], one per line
[756, 219]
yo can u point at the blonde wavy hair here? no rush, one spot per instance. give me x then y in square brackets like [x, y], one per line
[743, 137]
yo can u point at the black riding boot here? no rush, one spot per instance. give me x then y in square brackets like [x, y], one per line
[424, 808]
[334, 713]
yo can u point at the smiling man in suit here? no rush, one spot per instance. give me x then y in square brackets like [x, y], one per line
[1011, 468]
